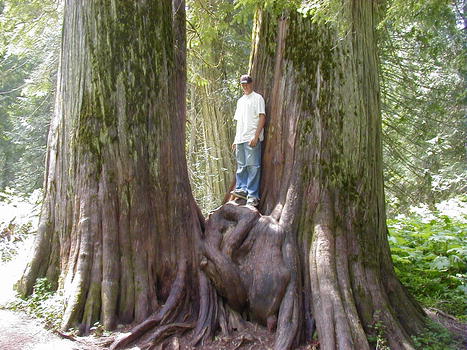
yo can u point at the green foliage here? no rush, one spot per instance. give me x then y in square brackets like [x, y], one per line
[218, 46]
[29, 46]
[377, 336]
[98, 330]
[44, 303]
[435, 337]
[423, 101]
[247, 7]
[11, 238]
[317, 10]
[429, 250]
[322, 10]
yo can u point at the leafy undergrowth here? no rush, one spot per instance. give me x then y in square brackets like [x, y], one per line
[429, 250]
[44, 303]
[18, 221]
[437, 337]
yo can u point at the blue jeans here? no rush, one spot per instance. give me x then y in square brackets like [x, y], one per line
[248, 168]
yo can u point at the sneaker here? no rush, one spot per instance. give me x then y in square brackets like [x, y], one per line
[252, 201]
[239, 193]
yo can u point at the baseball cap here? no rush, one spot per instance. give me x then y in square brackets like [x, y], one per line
[245, 79]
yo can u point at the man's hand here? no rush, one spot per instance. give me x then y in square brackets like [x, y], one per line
[234, 147]
[253, 142]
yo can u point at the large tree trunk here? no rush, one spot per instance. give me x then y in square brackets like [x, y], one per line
[323, 227]
[119, 227]
[323, 95]
[118, 218]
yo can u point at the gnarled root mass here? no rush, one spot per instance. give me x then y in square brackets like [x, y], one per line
[243, 277]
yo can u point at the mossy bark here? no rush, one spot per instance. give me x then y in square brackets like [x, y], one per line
[118, 214]
[322, 172]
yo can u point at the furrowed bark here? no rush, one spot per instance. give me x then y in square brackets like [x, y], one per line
[118, 215]
[320, 83]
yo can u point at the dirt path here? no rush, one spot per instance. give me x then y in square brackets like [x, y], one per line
[17, 330]
[20, 332]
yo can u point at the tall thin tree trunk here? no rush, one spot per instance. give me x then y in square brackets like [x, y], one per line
[6, 176]
[215, 160]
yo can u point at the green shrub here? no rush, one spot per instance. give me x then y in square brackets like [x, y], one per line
[429, 251]
[44, 303]
[377, 336]
[12, 237]
[18, 217]
[435, 337]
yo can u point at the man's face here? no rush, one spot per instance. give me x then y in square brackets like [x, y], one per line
[247, 88]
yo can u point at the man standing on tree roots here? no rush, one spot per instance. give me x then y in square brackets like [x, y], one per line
[251, 117]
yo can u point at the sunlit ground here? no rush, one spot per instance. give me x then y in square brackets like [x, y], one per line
[18, 212]
[11, 271]
[18, 330]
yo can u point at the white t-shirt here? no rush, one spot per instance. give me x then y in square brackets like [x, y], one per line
[249, 107]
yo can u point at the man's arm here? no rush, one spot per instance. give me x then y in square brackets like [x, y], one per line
[259, 128]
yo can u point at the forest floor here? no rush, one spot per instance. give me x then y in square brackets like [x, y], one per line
[18, 331]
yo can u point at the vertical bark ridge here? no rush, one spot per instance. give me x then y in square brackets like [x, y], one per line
[332, 325]
[344, 277]
[111, 270]
[208, 313]
[165, 315]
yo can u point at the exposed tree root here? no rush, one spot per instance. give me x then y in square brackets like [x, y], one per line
[245, 263]
[251, 270]
[164, 332]
[164, 315]
[456, 327]
[208, 311]
[252, 265]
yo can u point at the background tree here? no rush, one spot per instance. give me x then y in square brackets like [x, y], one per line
[7, 145]
[29, 49]
[219, 41]
[423, 101]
